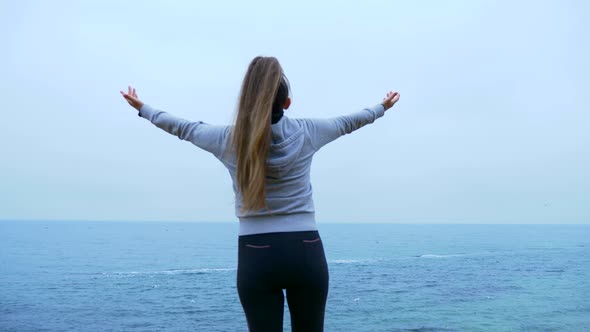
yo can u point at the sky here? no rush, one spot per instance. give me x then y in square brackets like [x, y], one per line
[493, 124]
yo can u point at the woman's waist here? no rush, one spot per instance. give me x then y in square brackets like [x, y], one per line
[274, 223]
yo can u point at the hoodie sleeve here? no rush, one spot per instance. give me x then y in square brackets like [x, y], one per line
[324, 131]
[206, 136]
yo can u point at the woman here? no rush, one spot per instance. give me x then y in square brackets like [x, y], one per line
[269, 156]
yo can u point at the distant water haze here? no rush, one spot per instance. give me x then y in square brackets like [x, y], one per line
[492, 125]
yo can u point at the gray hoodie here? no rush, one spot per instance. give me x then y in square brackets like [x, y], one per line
[288, 186]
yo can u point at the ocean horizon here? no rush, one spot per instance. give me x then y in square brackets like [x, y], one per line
[181, 276]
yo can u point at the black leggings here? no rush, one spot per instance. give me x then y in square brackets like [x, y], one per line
[271, 262]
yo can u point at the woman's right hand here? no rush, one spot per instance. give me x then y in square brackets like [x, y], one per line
[132, 98]
[390, 99]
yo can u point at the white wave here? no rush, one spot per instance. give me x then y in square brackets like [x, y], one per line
[173, 271]
[440, 256]
[349, 261]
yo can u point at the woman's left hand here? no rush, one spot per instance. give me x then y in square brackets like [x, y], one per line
[132, 98]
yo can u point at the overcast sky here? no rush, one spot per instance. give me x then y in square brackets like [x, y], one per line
[493, 124]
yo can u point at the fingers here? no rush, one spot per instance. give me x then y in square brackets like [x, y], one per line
[126, 96]
[390, 99]
[130, 99]
[391, 95]
[130, 91]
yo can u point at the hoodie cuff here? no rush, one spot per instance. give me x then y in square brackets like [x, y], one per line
[146, 111]
[379, 109]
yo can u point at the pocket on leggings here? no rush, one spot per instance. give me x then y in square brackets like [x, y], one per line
[316, 239]
[314, 252]
[256, 254]
[257, 246]
[257, 249]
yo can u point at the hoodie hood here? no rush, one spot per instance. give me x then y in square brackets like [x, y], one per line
[287, 142]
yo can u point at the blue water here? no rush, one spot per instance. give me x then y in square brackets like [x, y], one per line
[131, 276]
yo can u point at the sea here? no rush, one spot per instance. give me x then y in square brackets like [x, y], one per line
[181, 276]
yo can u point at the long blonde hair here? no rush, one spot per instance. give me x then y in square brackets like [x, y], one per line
[264, 88]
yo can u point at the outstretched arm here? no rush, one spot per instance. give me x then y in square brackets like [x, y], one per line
[206, 136]
[324, 131]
